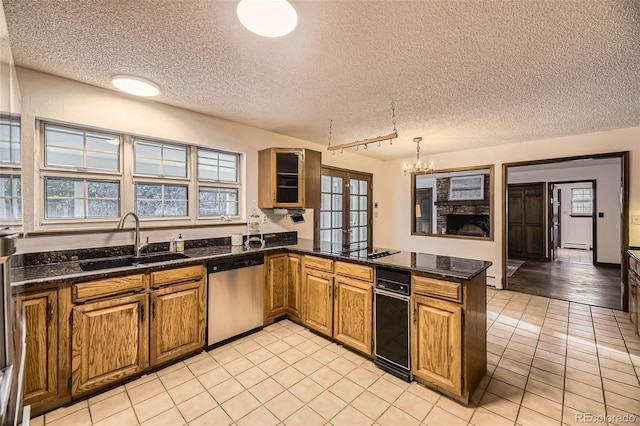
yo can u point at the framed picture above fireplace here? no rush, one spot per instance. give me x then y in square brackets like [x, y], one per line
[466, 188]
[453, 203]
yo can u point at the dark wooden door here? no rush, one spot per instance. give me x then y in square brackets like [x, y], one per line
[526, 221]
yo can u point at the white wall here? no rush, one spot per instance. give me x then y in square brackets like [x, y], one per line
[607, 199]
[49, 97]
[395, 210]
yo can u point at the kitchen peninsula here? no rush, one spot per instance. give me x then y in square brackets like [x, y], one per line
[66, 304]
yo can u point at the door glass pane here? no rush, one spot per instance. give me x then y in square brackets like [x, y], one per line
[337, 202]
[353, 186]
[363, 187]
[363, 202]
[326, 202]
[353, 200]
[337, 185]
[325, 220]
[353, 219]
[337, 220]
[326, 183]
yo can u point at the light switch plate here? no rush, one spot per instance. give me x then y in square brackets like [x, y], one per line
[635, 219]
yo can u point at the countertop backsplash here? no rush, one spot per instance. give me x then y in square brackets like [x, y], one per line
[71, 255]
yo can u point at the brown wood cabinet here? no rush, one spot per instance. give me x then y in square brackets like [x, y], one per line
[177, 320]
[109, 341]
[294, 290]
[40, 310]
[318, 300]
[448, 333]
[436, 347]
[289, 178]
[353, 313]
[275, 292]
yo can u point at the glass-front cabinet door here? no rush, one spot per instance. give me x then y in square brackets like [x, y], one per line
[289, 185]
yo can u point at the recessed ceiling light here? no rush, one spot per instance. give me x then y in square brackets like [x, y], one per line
[268, 18]
[135, 85]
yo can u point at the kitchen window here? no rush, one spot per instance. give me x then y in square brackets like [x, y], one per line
[581, 201]
[161, 200]
[219, 186]
[81, 150]
[160, 159]
[81, 198]
[89, 177]
[217, 201]
[10, 170]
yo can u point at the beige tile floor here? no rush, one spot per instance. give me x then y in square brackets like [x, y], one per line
[549, 362]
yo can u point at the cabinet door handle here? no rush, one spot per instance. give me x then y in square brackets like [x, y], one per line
[141, 313]
[335, 293]
[153, 309]
[50, 311]
[415, 311]
[329, 292]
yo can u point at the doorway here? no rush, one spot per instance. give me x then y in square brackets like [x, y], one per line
[600, 280]
[344, 217]
[572, 221]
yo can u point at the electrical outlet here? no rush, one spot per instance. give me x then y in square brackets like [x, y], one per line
[635, 219]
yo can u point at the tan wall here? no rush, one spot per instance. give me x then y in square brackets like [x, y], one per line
[395, 209]
[49, 97]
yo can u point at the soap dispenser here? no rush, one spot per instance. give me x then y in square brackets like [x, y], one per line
[172, 243]
[180, 244]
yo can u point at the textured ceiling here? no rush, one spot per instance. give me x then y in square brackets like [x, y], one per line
[463, 73]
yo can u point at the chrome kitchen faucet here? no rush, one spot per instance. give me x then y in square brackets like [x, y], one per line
[137, 246]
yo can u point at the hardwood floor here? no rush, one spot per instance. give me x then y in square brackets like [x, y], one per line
[573, 282]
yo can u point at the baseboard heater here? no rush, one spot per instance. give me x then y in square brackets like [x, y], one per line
[581, 246]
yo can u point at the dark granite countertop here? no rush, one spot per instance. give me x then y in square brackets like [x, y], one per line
[444, 266]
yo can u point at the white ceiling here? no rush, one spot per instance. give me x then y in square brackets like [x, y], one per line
[463, 73]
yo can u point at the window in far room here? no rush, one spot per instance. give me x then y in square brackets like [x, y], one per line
[581, 201]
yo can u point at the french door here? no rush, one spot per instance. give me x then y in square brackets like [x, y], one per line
[344, 216]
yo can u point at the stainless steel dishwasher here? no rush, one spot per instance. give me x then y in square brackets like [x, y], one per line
[235, 296]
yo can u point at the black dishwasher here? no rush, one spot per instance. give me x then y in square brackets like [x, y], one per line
[393, 347]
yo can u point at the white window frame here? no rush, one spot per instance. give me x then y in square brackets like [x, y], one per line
[581, 214]
[13, 169]
[211, 183]
[128, 179]
[45, 171]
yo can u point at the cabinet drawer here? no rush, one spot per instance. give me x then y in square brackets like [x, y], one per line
[171, 276]
[108, 287]
[318, 263]
[437, 288]
[354, 270]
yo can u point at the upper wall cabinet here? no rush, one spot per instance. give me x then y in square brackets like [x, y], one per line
[289, 178]
[455, 203]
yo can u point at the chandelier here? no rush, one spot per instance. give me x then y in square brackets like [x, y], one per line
[418, 166]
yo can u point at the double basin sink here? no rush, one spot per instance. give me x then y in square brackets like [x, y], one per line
[121, 262]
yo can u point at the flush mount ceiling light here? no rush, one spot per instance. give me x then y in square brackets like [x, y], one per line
[418, 166]
[135, 85]
[268, 18]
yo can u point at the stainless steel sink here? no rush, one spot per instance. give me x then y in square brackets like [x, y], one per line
[120, 262]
